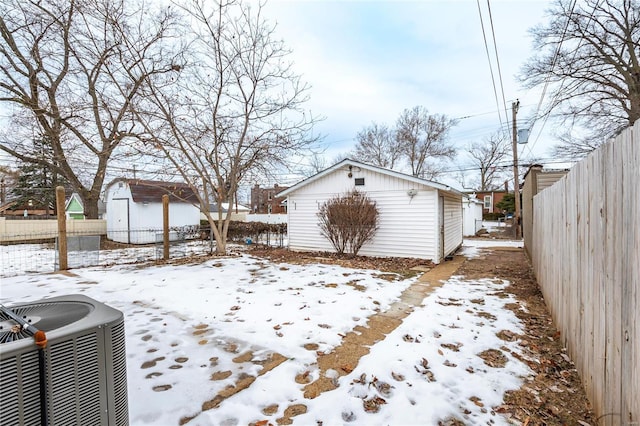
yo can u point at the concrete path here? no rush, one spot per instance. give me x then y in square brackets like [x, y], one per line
[356, 344]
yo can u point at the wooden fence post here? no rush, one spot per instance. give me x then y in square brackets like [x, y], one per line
[63, 264]
[165, 227]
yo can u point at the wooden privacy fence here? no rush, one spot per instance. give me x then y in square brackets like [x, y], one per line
[586, 257]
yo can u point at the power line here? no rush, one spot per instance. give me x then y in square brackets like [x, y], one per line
[486, 47]
[495, 46]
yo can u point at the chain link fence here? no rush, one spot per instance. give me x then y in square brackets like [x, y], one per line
[37, 252]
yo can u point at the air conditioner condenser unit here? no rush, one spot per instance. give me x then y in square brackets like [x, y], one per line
[84, 368]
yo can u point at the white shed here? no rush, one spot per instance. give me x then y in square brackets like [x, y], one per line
[418, 218]
[472, 213]
[134, 210]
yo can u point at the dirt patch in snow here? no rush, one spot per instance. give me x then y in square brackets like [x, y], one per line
[554, 396]
[403, 266]
[493, 358]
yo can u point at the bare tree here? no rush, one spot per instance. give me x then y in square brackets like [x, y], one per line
[71, 70]
[423, 140]
[376, 145]
[487, 156]
[573, 147]
[235, 108]
[589, 55]
[316, 163]
[348, 221]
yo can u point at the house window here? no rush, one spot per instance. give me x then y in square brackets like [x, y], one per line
[359, 181]
[269, 209]
[269, 196]
[487, 202]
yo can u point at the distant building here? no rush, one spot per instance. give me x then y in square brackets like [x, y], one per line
[471, 215]
[135, 212]
[491, 198]
[74, 207]
[267, 201]
[536, 180]
[27, 210]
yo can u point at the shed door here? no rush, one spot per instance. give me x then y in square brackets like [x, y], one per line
[441, 223]
[121, 224]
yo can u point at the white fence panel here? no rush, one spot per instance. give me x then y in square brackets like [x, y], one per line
[267, 218]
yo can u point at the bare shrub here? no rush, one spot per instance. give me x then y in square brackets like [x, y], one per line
[348, 221]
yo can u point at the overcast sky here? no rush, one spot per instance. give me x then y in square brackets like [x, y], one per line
[369, 60]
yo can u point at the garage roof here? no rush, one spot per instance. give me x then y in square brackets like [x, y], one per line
[149, 191]
[348, 162]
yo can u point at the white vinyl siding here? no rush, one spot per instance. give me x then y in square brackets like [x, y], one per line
[452, 223]
[302, 229]
[407, 224]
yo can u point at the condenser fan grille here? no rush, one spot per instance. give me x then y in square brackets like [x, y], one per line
[11, 334]
[43, 316]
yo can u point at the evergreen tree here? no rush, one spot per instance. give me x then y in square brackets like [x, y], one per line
[508, 203]
[36, 184]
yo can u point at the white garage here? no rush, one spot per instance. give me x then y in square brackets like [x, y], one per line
[418, 218]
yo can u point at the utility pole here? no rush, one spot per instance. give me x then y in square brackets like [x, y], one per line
[516, 178]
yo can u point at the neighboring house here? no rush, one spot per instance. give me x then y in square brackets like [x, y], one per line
[134, 210]
[74, 208]
[268, 200]
[418, 218]
[238, 212]
[472, 214]
[28, 210]
[490, 199]
[535, 180]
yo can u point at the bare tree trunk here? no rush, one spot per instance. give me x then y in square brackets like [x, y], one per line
[73, 70]
[235, 109]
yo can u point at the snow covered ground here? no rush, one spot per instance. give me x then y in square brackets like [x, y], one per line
[473, 247]
[193, 330]
[31, 258]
